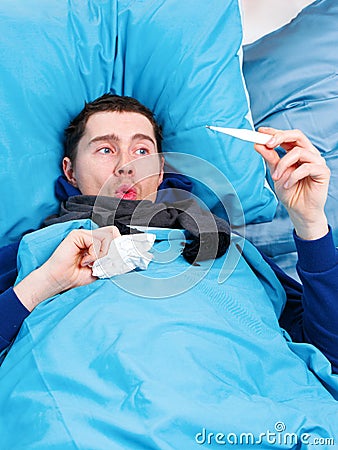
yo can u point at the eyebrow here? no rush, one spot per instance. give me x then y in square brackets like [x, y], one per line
[114, 138]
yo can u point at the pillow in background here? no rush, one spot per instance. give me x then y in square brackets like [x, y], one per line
[291, 75]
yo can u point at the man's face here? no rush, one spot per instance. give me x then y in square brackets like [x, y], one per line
[117, 156]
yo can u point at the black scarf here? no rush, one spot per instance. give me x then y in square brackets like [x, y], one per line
[209, 235]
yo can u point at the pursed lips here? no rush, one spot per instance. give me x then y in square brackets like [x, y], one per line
[126, 192]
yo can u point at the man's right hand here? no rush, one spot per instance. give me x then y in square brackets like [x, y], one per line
[68, 267]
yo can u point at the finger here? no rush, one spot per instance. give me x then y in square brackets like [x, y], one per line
[92, 252]
[81, 238]
[270, 156]
[282, 137]
[289, 139]
[268, 130]
[105, 244]
[317, 172]
[296, 156]
[101, 241]
[76, 242]
[272, 132]
[110, 230]
[105, 235]
[116, 232]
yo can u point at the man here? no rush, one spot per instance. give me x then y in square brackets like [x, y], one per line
[113, 148]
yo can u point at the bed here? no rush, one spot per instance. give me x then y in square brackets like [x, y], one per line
[178, 356]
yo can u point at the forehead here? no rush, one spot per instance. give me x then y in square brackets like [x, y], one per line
[123, 124]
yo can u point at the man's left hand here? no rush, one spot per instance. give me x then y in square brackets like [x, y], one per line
[301, 180]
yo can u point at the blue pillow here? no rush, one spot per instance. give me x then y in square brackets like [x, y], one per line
[291, 75]
[54, 56]
[182, 59]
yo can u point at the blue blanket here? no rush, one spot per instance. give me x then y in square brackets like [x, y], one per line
[175, 357]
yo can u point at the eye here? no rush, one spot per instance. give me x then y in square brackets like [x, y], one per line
[105, 150]
[142, 151]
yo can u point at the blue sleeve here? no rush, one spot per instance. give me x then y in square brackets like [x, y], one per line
[12, 311]
[318, 270]
[291, 318]
[12, 314]
[311, 312]
[8, 270]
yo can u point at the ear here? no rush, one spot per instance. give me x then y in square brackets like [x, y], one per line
[68, 170]
[161, 170]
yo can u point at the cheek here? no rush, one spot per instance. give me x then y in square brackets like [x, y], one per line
[89, 175]
[148, 169]
[149, 185]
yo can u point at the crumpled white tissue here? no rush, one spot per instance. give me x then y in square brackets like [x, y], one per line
[125, 254]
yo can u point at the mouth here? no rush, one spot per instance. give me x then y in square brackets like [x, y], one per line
[126, 192]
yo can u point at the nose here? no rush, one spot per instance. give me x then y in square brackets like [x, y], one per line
[124, 167]
[126, 170]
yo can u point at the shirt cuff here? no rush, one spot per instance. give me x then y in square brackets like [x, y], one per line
[12, 314]
[318, 255]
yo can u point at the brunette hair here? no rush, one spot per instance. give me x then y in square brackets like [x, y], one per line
[107, 102]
